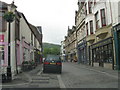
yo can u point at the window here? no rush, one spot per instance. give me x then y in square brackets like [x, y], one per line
[17, 29]
[87, 28]
[3, 24]
[103, 19]
[90, 7]
[85, 9]
[94, 2]
[91, 27]
[97, 20]
[31, 38]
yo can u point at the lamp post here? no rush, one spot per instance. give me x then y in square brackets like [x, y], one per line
[9, 17]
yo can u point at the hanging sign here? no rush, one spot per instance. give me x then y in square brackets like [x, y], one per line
[1, 38]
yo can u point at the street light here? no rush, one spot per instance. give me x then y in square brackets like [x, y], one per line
[9, 17]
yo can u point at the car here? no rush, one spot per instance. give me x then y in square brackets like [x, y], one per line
[52, 64]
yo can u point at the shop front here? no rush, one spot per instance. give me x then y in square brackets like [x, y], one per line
[116, 33]
[82, 53]
[3, 54]
[102, 53]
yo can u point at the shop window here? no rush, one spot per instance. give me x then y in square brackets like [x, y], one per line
[108, 53]
[103, 19]
[1, 55]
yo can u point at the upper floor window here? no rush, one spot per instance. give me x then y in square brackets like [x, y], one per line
[31, 38]
[90, 7]
[94, 2]
[103, 19]
[3, 24]
[91, 27]
[97, 20]
[87, 28]
[17, 29]
[85, 9]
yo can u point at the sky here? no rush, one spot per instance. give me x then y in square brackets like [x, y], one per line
[53, 15]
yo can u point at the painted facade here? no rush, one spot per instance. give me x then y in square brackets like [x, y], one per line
[24, 42]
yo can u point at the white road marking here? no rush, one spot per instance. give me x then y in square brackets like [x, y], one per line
[40, 72]
[15, 84]
[60, 82]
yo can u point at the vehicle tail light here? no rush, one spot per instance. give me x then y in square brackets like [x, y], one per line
[59, 63]
[46, 63]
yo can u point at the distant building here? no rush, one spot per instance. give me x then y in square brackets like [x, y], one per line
[70, 45]
[62, 51]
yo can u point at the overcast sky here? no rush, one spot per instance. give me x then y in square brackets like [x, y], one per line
[53, 15]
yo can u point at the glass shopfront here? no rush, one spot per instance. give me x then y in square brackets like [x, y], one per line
[116, 33]
[82, 53]
[1, 55]
[102, 52]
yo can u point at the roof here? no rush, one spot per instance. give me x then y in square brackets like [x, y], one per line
[37, 34]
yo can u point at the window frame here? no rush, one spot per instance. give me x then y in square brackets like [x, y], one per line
[90, 7]
[91, 27]
[87, 29]
[103, 17]
[96, 20]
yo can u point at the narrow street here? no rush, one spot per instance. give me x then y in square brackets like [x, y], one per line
[73, 76]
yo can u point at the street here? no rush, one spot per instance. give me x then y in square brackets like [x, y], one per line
[73, 76]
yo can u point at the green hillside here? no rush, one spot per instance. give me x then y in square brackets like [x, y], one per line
[50, 45]
[49, 48]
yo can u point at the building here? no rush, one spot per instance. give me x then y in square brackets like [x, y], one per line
[70, 45]
[62, 51]
[25, 41]
[81, 33]
[116, 32]
[94, 21]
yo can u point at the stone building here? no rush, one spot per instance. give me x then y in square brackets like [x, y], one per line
[94, 22]
[70, 45]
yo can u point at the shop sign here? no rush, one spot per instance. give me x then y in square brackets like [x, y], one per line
[102, 43]
[1, 38]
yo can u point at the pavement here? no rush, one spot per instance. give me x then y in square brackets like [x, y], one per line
[24, 77]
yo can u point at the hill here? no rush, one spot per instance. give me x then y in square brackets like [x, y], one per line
[49, 48]
[50, 45]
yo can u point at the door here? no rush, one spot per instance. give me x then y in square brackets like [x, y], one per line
[119, 49]
[1, 56]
